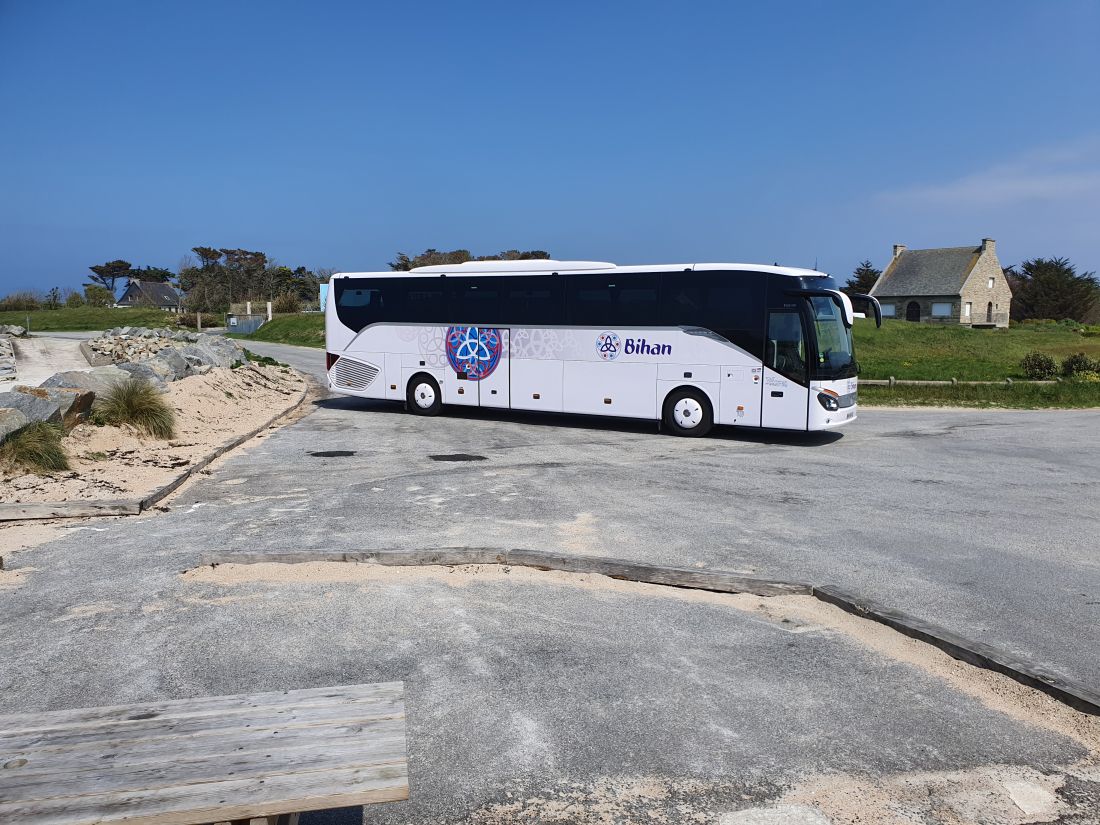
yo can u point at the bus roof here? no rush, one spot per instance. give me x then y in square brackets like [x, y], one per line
[541, 266]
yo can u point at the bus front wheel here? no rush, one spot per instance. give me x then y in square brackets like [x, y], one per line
[423, 396]
[688, 413]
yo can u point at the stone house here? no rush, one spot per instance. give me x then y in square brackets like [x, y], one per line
[150, 294]
[957, 285]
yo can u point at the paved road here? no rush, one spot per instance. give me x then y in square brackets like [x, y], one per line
[622, 702]
[986, 522]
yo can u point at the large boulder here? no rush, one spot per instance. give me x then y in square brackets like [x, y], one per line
[32, 406]
[98, 379]
[75, 403]
[11, 420]
[12, 329]
[146, 373]
[168, 364]
[213, 350]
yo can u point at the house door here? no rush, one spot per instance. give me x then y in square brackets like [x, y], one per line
[912, 311]
[989, 313]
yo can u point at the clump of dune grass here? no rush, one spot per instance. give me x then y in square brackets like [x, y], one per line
[138, 403]
[35, 448]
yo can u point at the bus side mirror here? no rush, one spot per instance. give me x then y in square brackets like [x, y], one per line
[875, 307]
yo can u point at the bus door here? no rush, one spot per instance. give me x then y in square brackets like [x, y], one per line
[477, 366]
[494, 384]
[786, 392]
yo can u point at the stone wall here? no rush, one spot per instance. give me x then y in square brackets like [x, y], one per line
[977, 291]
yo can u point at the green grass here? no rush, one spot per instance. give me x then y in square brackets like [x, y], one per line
[304, 330]
[1067, 394]
[938, 353]
[35, 448]
[138, 403]
[75, 319]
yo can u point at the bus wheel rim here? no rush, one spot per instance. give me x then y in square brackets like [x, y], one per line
[424, 395]
[688, 413]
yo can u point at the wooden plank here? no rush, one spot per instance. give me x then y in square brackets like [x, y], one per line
[67, 509]
[216, 800]
[200, 706]
[212, 759]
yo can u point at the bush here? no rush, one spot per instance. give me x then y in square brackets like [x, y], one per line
[191, 320]
[35, 448]
[1038, 366]
[98, 296]
[286, 303]
[138, 403]
[74, 299]
[20, 302]
[1079, 363]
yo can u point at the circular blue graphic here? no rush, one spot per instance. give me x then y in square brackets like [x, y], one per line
[608, 346]
[474, 350]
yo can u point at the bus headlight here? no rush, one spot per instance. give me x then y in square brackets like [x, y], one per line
[828, 400]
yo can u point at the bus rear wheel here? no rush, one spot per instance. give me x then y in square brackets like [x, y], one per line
[423, 396]
[688, 413]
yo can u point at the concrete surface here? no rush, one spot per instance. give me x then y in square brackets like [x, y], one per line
[37, 358]
[531, 699]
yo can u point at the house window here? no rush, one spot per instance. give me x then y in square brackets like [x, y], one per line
[990, 283]
[966, 310]
[941, 310]
[889, 310]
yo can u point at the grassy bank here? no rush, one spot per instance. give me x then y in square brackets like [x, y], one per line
[1068, 394]
[303, 330]
[80, 319]
[938, 353]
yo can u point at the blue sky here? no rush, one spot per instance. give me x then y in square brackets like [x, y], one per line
[337, 133]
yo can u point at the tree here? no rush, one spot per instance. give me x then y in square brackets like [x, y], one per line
[73, 298]
[98, 296]
[107, 274]
[433, 257]
[53, 299]
[208, 256]
[152, 273]
[862, 279]
[1052, 288]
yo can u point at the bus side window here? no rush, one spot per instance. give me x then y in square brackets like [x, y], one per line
[786, 347]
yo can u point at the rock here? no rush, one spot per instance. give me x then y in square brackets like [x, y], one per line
[33, 407]
[12, 329]
[200, 369]
[169, 364]
[74, 403]
[98, 379]
[94, 358]
[11, 420]
[145, 373]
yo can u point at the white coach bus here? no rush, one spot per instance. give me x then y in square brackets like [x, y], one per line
[690, 345]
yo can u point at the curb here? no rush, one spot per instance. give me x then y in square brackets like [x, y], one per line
[688, 578]
[128, 507]
[980, 655]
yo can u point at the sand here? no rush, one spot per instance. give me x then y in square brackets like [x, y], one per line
[119, 463]
[1009, 794]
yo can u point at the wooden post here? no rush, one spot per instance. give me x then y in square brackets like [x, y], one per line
[269, 310]
[247, 307]
[198, 320]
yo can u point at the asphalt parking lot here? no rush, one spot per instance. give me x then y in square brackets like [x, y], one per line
[552, 697]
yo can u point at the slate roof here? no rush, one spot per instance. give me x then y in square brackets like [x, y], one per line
[155, 292]
[928, 272]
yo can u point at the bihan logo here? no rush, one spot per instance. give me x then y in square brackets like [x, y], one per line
[609, 346]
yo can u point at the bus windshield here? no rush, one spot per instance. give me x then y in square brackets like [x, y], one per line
[834, 341]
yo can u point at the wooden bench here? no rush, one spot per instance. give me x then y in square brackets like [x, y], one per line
[250, 757]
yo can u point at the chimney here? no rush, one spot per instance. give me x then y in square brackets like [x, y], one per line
[989, 245]
[899, 248]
